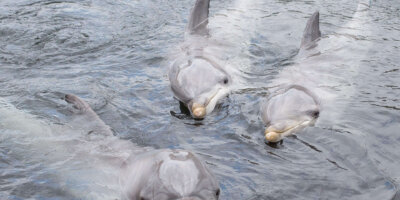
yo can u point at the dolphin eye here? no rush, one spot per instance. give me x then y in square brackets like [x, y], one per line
[316, 114]
[217, 192]
[313, 113]
[225, 80]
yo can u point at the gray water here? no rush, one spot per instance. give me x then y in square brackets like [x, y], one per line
[115, 55]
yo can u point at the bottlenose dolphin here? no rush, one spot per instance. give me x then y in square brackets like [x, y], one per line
[293, 106]
[156, 174]
[197, 78]
[86, 161]
[302, 90]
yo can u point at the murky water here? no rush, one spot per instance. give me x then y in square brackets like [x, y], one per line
[115, 54]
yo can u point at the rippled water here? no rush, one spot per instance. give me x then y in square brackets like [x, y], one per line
[115, 54]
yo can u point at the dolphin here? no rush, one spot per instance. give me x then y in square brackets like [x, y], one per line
[156, 174]
[293, 106]
[84, 160]
[314, 83]
[197, 78]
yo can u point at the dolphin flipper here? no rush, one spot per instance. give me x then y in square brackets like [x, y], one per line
[199, 18]
[311, 32]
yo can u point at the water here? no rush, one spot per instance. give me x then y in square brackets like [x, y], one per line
[115, 54]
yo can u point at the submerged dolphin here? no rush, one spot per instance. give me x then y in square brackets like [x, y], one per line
[156, 174]
[293, 106]
[197, 79]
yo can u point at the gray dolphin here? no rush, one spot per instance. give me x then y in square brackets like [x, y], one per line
[197, 79]
[156, 174]
[292, 107]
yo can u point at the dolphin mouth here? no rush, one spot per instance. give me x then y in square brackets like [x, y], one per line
[273, 134]
[199, 110]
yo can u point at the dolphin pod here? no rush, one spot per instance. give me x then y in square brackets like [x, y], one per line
[199, 81]
[197, 78]
[156, 174]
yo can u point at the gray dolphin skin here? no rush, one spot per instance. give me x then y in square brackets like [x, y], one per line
[196, 77]
[156, 174]
[292, 107]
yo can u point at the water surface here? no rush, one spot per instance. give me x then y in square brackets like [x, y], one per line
[115, 54]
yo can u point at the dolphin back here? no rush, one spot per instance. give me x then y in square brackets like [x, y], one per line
[199, 18]
[311, 32]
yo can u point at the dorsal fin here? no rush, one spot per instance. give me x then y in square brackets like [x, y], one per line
[199, 18]
[311, 32]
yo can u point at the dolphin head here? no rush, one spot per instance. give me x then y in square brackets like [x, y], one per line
[168, 174]
[200, 83]
[288, 111]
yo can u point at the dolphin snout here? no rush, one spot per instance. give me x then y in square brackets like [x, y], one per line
[198, 110]
[277, 131]
[274, 132]
[272, 136]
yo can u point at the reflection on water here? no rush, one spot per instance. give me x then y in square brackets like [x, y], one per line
[115, 54]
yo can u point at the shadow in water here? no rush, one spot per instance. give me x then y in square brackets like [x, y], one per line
[275, 145]
[184, 114]
[319, 151]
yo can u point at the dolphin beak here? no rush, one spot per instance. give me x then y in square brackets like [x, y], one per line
[198, 110]
[272, 136]
[276, 132]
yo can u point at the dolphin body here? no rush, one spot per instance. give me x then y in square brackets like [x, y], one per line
[196, 77]
[293, 106]
[156, 174]
[89, 162]
[302, 90]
